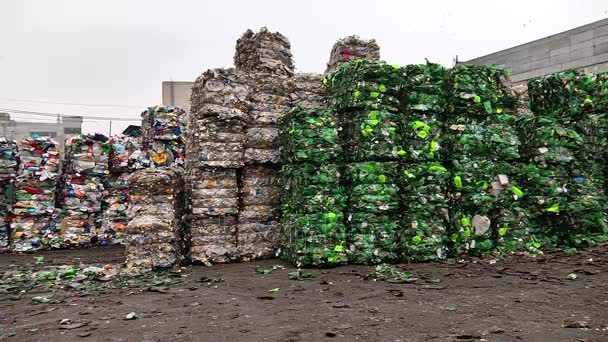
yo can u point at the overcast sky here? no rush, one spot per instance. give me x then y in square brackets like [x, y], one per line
[118, 52]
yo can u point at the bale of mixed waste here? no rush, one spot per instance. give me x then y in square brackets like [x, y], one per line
[35, 189]
[9, 163]
[163, 134]
[351, 48]
[155, 237]
[263, 52]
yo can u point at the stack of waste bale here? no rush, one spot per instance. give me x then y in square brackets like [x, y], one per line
[352, 48]
[35, 188]
[314, 200]
[125, 158]
[214, 158]
[366, 97]
[565, 142]
[154, 236]
[485, 154]
[263, 61]
[307, 91]
[263, 52]
[425, 175]
[163, 130]
[82, 188]
[9, 163]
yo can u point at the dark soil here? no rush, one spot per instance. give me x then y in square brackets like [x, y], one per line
[514, 299]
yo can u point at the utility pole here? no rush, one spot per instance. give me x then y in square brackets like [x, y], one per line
[110, 128]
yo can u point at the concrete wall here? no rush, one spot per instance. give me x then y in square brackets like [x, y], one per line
[177, 94]
[585, 47]
[64, 126]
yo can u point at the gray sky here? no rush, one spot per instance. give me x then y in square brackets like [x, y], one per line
[118, 52]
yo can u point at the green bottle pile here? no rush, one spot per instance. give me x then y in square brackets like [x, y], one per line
[314, 231]
[565, 146]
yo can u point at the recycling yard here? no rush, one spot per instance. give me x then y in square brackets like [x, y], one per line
[553, 297]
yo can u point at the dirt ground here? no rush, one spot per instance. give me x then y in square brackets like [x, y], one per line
[513, 299]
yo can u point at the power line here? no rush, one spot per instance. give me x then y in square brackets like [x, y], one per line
[73, 103]
[84, 116]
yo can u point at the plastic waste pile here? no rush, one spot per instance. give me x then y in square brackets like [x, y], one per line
[268, 100]
[214, 158]
[163, 129]
[9, 163]
[314, 200]
[307, 91]
[565, 142]
[126, 156]
[485, 154]
[82, 188]
[154, 236]
[263, 52]
[352, 48]
[32, 227]
[366, 96]
[425, 174]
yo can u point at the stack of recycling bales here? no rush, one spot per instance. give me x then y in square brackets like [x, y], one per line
[565, 147]
[163, 130]
[9, 163]
[425, 175]
[352, 48]
[35, 187]
[485, 154]
[263, 61]
[314, 200]
[84, 172]
[214, 158]
[154, 236]
[366, 97]
[307, 91]
[125, 158]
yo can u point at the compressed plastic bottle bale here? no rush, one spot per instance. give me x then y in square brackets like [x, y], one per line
[28, 233]
[424, 88]
[213, 238]
[9, 159]
[87, 154]
[374, 238]
[310, 135]
[314, 240]
[365, 85]
[374, 186]
[213, 191]
[260, 185]
[351, 48]
[307, 91]
[479, 90]
[164, 134]
[264, 52]
[154, 235]
[219, 94]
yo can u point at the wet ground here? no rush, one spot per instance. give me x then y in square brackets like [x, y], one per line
[555, 297]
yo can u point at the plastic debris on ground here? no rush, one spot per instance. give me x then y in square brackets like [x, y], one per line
[9, 163]
[31, 227]
[486, 192]
[313, 230]
[263, 52]
[154, 236]
[565, 140]
[352, 48]
[163, 130]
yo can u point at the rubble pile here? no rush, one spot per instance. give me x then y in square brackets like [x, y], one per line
[33, 225]
[82, 188]
[163, 129]
[352, 48]
[9, 163]
[485, 155]
[155, 237]
[314, 200]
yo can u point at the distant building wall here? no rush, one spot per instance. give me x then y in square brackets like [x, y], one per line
[585, 47]
[62, 128]
[177, 94]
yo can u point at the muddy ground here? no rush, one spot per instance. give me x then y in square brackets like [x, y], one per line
[513, 299]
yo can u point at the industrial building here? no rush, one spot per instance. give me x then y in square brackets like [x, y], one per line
[63, 127]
